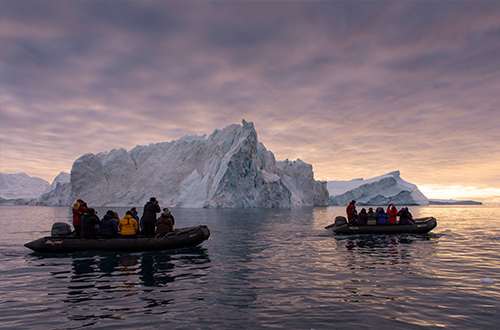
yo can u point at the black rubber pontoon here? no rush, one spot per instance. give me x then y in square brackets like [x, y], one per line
[184, 237]
[421, 226]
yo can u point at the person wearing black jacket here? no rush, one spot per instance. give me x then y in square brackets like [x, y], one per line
[405, 217]
[148, 218]
[90, 223]
[108, 225]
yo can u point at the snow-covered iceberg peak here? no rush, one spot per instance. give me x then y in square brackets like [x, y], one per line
[21, 185]
[229, 169]
[381, 190]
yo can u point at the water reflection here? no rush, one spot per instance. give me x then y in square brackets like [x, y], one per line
[103, 275]
[374, 250]
[368, 243]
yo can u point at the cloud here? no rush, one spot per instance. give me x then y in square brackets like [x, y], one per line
[358, 89]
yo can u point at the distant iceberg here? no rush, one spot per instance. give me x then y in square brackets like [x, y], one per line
[229, 169]
[381, 190]
[57, 193]
[452, 202]
[20, 188]
[487, 280]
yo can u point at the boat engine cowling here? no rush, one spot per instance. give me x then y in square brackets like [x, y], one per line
[60, 229]
[340, 221]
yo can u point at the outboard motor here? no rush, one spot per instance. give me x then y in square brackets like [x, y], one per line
[340, 221]
[60, 229]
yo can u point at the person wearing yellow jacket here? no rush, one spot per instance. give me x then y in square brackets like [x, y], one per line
[128, 225]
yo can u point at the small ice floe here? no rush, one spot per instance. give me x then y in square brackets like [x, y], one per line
[487, 280]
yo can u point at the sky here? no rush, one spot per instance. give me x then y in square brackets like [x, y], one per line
[358, 89]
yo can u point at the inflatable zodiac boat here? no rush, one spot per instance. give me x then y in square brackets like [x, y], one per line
[421, 226]
[61, 240]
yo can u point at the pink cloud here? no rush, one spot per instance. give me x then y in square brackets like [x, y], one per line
[357, 89]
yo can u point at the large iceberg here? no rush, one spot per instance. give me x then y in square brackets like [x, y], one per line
[229, 169]
[381, 190]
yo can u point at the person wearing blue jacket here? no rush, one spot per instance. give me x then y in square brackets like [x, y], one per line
[382, 217]
[134, 214]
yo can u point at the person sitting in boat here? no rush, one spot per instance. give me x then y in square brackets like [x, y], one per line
[405, 217]
[393, 214]
[362, 217]
[149, 216]
[108, 225]
[371, 217]
[352, 214]
[128, 225]
[90, 223]
[135, 214]
[79, 209]
[410, 216]
[165, 223]
[382, 217]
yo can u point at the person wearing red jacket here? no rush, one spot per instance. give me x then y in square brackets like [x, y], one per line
[352, 214]
[79, 209]
[393, 214]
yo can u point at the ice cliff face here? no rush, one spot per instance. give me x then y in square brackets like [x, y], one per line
[229, 169]
[299, 178]
[382, 190]
[57, 193]
[21, 186]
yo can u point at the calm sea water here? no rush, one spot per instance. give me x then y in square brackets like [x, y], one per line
[260, 269]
